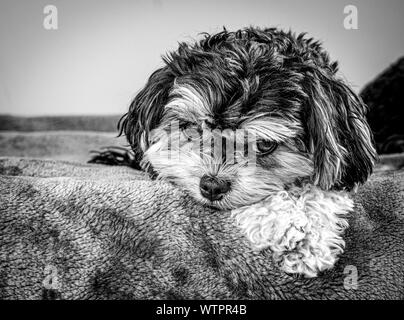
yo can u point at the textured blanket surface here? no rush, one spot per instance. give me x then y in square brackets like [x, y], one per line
[76, 231]
[56, 145]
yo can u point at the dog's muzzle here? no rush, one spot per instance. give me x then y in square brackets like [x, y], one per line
[213, 188]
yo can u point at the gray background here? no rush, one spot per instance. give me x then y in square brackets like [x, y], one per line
[104, 51]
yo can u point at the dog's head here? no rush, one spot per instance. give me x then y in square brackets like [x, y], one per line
[273, 92]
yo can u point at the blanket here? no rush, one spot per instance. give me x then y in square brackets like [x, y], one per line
[81, 231]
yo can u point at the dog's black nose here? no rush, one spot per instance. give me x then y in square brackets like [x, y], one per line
[213, 188]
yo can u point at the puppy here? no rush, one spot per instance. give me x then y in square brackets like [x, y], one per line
[258, 122]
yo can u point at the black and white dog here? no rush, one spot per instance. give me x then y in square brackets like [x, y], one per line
[311, 143]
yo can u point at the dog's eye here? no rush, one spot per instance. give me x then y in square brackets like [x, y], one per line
[190, 133]
[184, 125]
[266, 147]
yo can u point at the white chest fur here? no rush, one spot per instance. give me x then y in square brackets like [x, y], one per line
[303, 227]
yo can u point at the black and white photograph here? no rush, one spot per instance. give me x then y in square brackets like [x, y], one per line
[201, 155]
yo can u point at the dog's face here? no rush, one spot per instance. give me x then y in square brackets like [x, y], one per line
[240, 116]
[229, 159]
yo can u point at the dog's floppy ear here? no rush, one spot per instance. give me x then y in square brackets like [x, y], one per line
[339, 136]
[145, 111]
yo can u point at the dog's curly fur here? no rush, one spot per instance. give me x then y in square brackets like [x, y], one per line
[284, 89]
[303, 228]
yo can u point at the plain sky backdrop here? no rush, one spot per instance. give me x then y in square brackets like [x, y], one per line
[104, 50]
